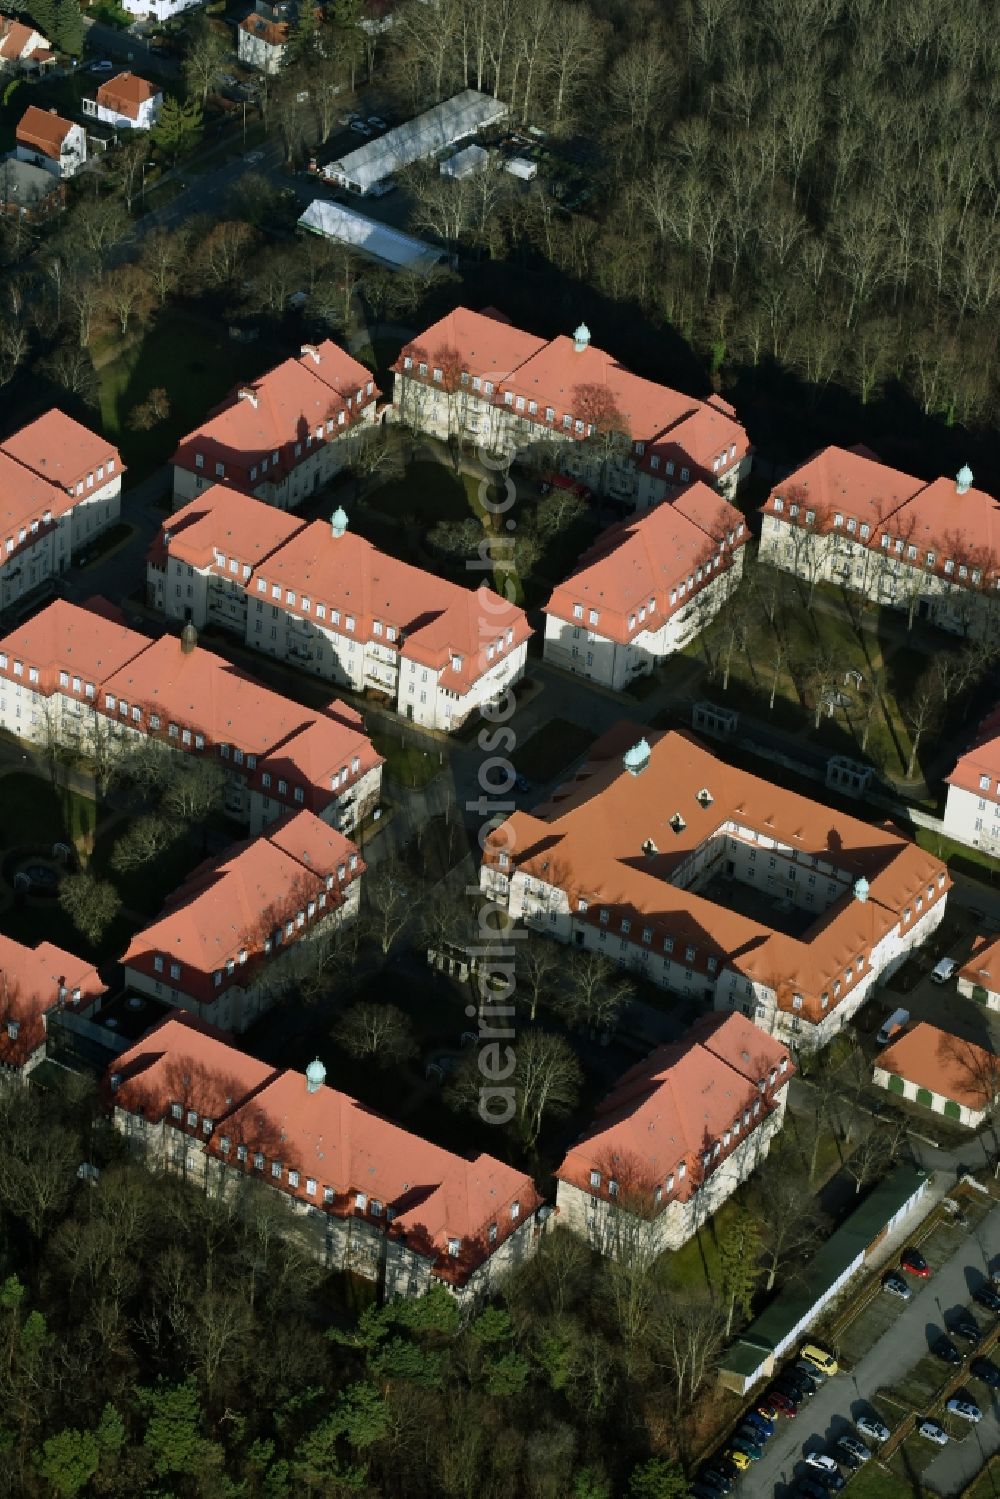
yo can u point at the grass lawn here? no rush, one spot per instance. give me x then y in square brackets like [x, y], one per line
[426, 493]
[194, 362]
[36, 812]
[873, 1482]
[695, 1266]
[551, 749]
[920, 1386]
[957, 854]
[987, 1485]
[407, 764]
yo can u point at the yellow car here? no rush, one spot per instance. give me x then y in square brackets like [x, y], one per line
[821, 1360]
[737, 1458]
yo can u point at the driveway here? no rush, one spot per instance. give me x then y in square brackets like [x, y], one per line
[833, 1408]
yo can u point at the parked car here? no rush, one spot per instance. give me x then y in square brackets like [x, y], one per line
[104, 66]
[761, 1422]
[913, 1261]
[873, 1428]
[832, 1482]
[943, 970]
[810, 1488]
[966, 1329]
[987, 1297]
[967, 1409]
[361, 127]
[784, 1404]
[896, 1286]
[753, 1450]
[825, 1362]
[944, 1348]
[933, 1432]
[985, 1370]
[792, 1393]
[737, 1458]
[377, 122]
[797, 1380]
[821, 1460]
[766, 1408]
[716, 1478]
[752, 1435]
[851, 1447]
[809, 1375]
[703, 1491]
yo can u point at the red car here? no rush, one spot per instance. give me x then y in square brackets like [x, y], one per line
[766, 1407]
[780, 1403]
[913, 1262]
[565, 481]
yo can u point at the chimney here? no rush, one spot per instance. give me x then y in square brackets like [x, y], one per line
[189, 638]
[636, 759]
[246, 394]
[861, 889]
[581, 338]
[338, 522]
[310, 350]
[168, 537]
[963, 479]
[315, 1076]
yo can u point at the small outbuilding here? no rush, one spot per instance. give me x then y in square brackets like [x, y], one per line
[465, 163]
[368, 237]
[941, 1072]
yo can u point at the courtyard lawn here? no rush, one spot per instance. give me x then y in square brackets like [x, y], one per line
[407, 764]
[194, 361]
[550, 749]
[425, 494]
[37, 813]
[873, 1482]
[957, 854]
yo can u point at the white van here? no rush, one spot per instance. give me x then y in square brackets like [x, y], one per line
[943, 971]
[893, 1026]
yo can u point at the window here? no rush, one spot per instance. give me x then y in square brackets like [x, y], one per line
[175, 970]
[176, 1112]
[258, 1160]
[158, 965]
[360, 1201]
[595, 1178]
[293, 1178]
[515, 1210]
[192, 1118]
[276, 1169]
[375, 1208]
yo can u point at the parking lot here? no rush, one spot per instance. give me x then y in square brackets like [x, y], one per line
[960, 1260]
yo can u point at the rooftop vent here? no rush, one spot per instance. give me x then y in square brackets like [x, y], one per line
[310, 351]
[861, 889]
[338, 522]
[247, 394]
[677, 823]
[189, 638]
[581, 338]
[963, 479]
[703, 797]
[315, 1076]
[636, 759]
[649, 847]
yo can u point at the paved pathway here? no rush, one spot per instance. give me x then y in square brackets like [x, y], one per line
[841, 1400]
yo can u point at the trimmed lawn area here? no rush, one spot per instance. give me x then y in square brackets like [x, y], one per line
[957, 855]
[195, 362]
[919, 1388]
[551, 749]
[873, 1482]
[987, 1485]
[36, 812]
[426, 493]
[695, 1266]
[407, 764]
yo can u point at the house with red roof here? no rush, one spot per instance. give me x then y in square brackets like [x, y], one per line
[126, 101]
[716, 884]
[36, 982]
[972, 806]
[22, 47]
[979, 975]
[60, 488]
[47, 140]
[473, 378]
[261, 42]
[646, 587]
[675, 1137]
[942, 1072]
[326, 600]
[282, 436]
[932, 550]
[236, 935]
[73, 674]
[370, 1196]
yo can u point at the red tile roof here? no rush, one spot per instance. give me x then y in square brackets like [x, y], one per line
[982, 966]
[647, 557]
[282, 409]
[586, 384]
[198, 692]
[26, 501]
[16, 39]
[43, 130]
[274, 33]
[63, 451]
[592, 838]
[671, 1110]
[935, 517]
[981, 760]
[220, 527]
[433, 1195]
[235, 904]
[126, 93]
[33, 980]
[944, 1064]
[188, 1062]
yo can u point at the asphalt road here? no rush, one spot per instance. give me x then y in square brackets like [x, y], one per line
[126, 47]
[832, 1410]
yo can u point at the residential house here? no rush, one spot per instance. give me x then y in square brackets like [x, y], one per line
[282, 436]
[972, 806]
[47, 140]
[675, 1137]
[647, 587]
[932, 550]
[29, 192]
[79, 676]
[979, 975]
[323, 599]
[60, 487]
[474, 378]
[261, 42]
[22, 47]
[716, 884]
[941, 1072]
[233, 938]
[128, 101]
[157, 10]
[374, 1199]
[36, 982]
